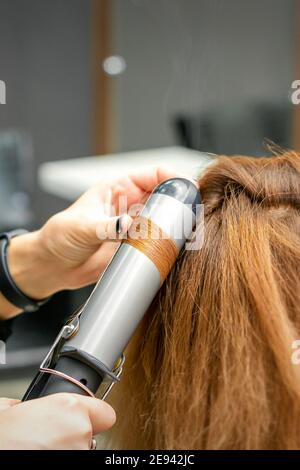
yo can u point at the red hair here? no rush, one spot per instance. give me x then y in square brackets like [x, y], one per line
[211, 367]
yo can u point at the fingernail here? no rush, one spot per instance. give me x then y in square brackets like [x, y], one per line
[110, 413]
[123, 223]
[119, 227]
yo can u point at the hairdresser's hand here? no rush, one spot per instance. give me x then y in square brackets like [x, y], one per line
[60, 422]
[6, 403]
[71, 249]
[74, 239]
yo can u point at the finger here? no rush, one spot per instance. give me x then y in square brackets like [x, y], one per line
[148, 178]
[101, 414]
[137, 186]
[112, 228]
[96, 264]
[6, 403]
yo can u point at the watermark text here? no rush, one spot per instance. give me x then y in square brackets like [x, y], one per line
[2, 353]
[2, 92]
[296, 354]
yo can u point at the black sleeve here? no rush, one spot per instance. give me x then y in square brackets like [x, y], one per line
[5, 330]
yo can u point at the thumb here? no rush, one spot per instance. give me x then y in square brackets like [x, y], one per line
[101, 414]
[112, 228]
[6, 403]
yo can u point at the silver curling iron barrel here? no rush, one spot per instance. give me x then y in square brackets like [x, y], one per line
[88, 352]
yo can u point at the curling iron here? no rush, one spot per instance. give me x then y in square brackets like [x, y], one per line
[88, 352]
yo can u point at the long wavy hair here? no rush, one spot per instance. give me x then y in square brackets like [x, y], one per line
[211, 365]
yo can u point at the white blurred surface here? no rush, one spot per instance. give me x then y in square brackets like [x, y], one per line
[70, 178]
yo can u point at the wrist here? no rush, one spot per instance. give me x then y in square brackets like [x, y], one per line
[29, 266]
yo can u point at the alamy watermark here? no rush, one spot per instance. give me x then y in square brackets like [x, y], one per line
[2, 353]
[160, 222]
[295, 93]
[296, 354]
[2, 92]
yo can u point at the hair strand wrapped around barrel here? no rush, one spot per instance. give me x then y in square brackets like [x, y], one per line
[211, 366]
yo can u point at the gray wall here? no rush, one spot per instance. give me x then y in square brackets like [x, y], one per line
[197, 55]
[182, 56]
[45, 61]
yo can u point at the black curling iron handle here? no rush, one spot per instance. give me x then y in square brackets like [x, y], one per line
[46, 384]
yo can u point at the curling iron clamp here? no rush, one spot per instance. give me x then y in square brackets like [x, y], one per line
[87, 355]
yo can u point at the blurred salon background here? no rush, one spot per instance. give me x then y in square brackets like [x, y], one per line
[98, 87]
